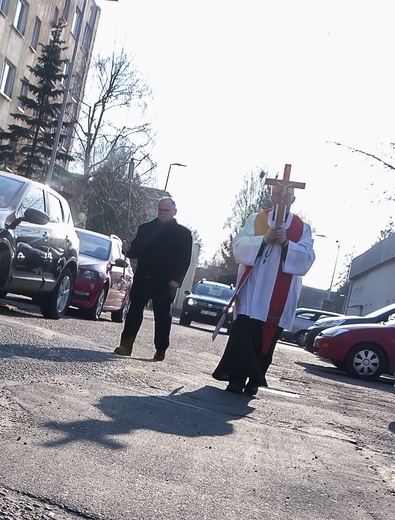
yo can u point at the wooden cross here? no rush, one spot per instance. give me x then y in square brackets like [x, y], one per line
[285, 183]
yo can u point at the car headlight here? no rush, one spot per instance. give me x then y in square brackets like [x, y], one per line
[191, 301]
[88, 274]
[333, 332]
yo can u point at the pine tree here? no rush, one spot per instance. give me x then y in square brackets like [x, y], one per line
[27, 147]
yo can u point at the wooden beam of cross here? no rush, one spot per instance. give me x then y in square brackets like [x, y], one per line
[285, 183]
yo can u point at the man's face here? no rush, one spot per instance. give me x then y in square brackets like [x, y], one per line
[276, 196]
[166, 211]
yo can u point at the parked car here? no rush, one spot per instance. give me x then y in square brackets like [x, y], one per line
[206, 304]
[38, 244]
[304, 318]
[384, 314]
[104, 276]
[365, 350]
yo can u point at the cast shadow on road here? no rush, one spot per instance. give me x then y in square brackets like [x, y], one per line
[205, 412]
[335, 374]
[55, 354]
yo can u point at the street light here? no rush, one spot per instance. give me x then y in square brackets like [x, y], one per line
[168, 173]
[334, 269]
[130, 178]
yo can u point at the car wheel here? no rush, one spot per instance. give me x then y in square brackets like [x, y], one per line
[120, 316]
[54, 304]
[299, 338]
[366, 361]
[94, 312]
[184, 320]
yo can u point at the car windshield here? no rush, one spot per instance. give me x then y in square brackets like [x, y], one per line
[8, 190]
[214, 291]
[96, 247]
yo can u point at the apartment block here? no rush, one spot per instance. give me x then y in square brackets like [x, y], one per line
[24, 25]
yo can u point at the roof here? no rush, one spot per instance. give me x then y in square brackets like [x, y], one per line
[381, 252]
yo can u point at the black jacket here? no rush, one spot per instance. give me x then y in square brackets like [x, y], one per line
[163, 253]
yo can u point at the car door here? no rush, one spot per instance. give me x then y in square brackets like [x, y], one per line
[31, 246]
[56, 239]
[120, 281]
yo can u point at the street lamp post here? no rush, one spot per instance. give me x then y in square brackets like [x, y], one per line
[130, 178]
[168, 173]
[334, 269]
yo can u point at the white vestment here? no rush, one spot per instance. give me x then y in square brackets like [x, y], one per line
[254, 297]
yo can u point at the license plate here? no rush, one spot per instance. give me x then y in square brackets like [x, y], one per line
[208, 313]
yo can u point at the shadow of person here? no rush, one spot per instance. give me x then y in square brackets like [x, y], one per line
[203, 412]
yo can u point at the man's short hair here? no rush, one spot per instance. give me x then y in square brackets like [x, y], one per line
[167, 199]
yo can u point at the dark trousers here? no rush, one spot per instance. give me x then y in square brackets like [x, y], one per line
[266, 359]
[134, 318]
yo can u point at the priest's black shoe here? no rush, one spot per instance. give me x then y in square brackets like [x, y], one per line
[250, 389]
[235, 388]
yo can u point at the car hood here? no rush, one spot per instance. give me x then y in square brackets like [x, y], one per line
[208, 299]
[359, 326]
[88, 262]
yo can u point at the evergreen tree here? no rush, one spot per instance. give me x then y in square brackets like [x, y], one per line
[27, 147]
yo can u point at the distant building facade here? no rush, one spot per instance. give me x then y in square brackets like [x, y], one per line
[24, 24]
[372, 278]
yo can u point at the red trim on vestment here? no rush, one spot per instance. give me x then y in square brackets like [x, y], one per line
[280, 290]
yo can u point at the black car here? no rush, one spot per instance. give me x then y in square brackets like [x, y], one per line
[380, 315]
[206, 304]
[38, 244]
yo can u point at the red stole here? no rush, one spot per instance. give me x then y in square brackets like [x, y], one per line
[280, 290]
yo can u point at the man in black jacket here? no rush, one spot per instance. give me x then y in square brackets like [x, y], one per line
[163, 249]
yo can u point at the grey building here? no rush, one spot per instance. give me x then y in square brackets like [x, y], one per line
[24, 24]
[372, 278]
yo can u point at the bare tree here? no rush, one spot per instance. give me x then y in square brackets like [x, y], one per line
[253, 196]
[114, 87]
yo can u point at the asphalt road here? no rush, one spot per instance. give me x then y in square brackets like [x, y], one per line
[86, 434]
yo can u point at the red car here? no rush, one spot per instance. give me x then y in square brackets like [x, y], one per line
[365, 351]
[104, 276]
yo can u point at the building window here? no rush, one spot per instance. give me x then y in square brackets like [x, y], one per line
[76, 23]
[7, 79]
[66, 71]
[77, 85]
[4, 5]
[36, 33]
[22, 94]
[55, 17]
[20, 16]
[66, 9]
[86, 42]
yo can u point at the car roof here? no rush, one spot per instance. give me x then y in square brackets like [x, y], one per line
[31, 182]
[209, 282]
[95, 233]
[308, 309]
[382, 310]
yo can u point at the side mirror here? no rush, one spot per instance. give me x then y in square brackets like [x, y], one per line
[32, 215]
[120, 262]
[187, 292]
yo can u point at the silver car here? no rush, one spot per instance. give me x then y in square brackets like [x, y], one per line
[304, 318]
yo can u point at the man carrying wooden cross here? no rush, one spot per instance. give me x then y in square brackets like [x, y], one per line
[274, 250]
